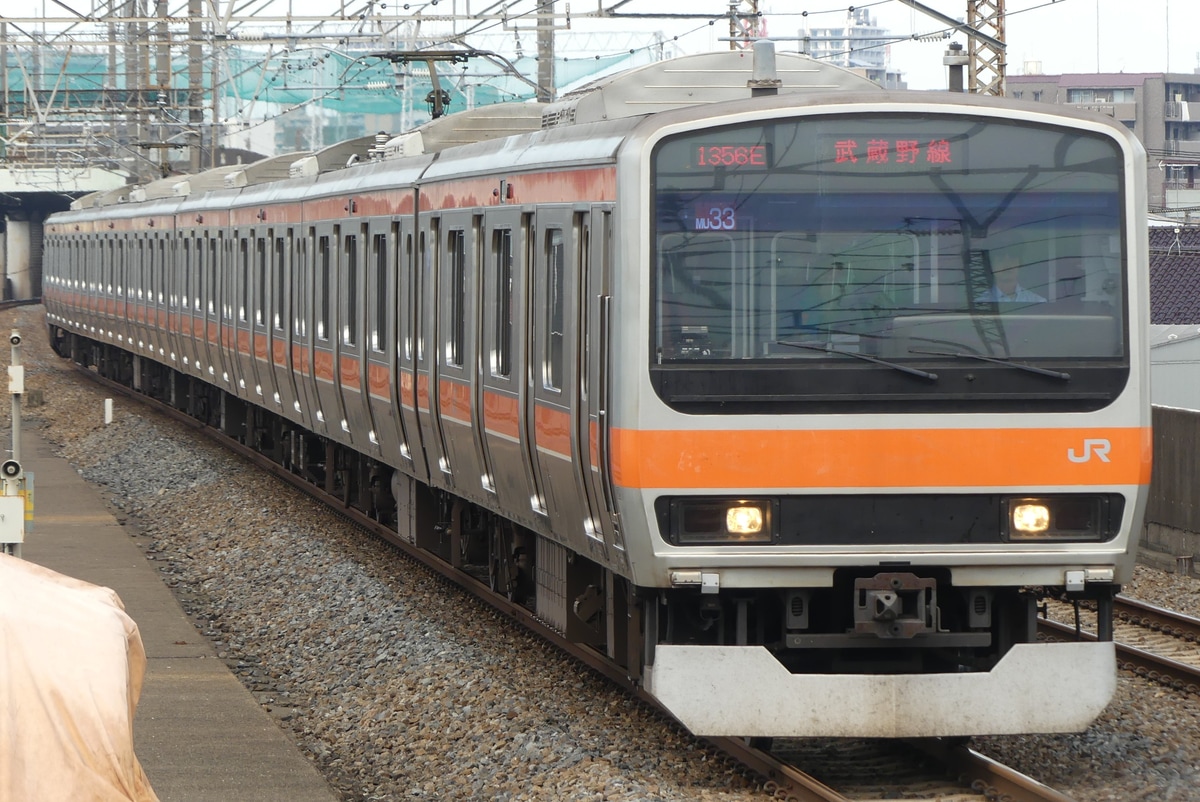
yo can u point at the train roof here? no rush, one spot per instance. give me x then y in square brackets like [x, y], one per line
[699, 79]
[466, 127]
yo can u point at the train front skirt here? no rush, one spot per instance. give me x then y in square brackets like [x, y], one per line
[1036, 687]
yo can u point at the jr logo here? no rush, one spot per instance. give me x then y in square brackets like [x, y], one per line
[1098, 448]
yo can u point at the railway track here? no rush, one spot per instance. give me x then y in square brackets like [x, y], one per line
[914, 769]
[931, 769]
[1152, 642]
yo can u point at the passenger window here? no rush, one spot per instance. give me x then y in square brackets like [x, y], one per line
[502, 274]
[350, 327]
[555, 301]
[457, 250]
[323, 277]
[379, 286]
[279, 266]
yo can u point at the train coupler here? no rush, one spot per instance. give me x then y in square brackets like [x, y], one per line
[895, 605]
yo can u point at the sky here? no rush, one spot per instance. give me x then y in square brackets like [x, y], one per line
[1064, 35]
[1083, 36]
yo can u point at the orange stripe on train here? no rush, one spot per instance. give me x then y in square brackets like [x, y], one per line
[881, 458]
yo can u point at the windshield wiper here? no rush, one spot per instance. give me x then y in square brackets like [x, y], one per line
[924, 374]
[1055, 374]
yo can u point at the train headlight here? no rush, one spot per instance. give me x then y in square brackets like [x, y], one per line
[710, 522]
[744, 521]
[1058, 518]
[1030, 519]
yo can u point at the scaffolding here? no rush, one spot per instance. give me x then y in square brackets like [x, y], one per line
[154, 87]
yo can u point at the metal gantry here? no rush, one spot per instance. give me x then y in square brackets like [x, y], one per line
[987, 55]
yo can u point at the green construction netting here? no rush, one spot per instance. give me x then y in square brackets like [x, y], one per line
[373, 85]
[249, 77]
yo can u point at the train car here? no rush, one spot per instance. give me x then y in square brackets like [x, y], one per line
[793, 396]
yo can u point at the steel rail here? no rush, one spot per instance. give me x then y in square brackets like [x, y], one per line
[1160, 619]
[984, 775]
[1173, 673]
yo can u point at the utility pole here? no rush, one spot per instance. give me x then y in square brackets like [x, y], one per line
[163, 97]
[545, 50]
[195, 94]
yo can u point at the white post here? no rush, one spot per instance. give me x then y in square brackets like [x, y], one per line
[12, 511]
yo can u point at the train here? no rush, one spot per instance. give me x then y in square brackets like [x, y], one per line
[794, 397]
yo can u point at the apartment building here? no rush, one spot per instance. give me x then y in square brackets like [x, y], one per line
[1162, 109]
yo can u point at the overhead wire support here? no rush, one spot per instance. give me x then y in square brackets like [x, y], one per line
[438, 98]
[986, 47]
[987, 51]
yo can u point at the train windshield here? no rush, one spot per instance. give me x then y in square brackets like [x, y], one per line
[904, 238]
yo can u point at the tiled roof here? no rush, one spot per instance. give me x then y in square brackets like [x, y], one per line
[1174, 275]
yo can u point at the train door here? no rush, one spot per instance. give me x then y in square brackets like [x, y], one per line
[148, 336]
[190, 303]
[327, 413]
[211, 303]
[108, 308]
[502, 368]
[204, 270]
[160, 286]
[590, 426]
[103, 305]
[79, 292]
[428, 398]
[88, 291]
[164, 281]
[260, 380]
[227, 292]
[237, 347]
[134, 294]
[174, 287]
[137, 290]
[554, 373]
[379, 345]
[303, 325]
[124, 267]
[408, 256]
[458, 267]
[320, 350]
[116, 308]
[349, 380]
[223, 293]
[282, 313]
[181, 298]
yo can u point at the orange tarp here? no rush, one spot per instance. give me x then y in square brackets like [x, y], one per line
[71, 668]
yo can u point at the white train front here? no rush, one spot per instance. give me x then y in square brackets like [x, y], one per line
[795, 405]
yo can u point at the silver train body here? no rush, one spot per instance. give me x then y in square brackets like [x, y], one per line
[729, 387]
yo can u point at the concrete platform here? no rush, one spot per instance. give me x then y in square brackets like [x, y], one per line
[199, 734]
